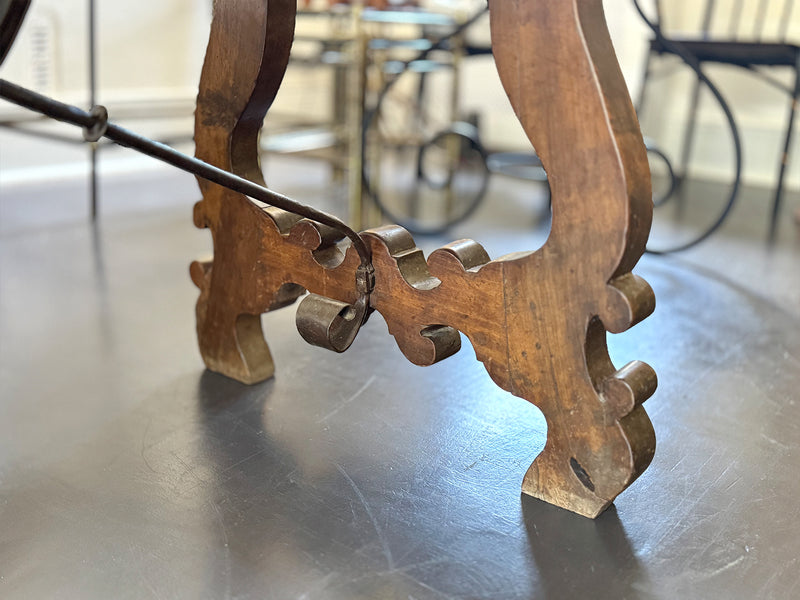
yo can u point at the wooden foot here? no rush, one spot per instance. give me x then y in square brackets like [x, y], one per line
[537, 320]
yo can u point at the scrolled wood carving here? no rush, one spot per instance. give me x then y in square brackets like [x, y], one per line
[537, 320]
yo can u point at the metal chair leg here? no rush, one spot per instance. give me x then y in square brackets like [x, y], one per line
[776, 203]
[686, 152]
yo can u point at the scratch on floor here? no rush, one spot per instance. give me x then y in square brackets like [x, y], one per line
[319, 586]
[427, 587]
[224, 530]
[733, 483]
[341, 405]
[189, 469]
[243, 460]
[724, 568]
[144, 448]
[387, 552]
[775, 442]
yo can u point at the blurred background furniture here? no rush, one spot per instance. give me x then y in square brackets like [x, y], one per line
[361, 45]
[451, 105]
[736, 34]
[370, 132]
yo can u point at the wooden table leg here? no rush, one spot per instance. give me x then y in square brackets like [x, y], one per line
[537, 320]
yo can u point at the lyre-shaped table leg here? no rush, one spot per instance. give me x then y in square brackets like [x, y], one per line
[537, 320]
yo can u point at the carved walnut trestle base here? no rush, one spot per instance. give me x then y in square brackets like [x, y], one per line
[537, 320]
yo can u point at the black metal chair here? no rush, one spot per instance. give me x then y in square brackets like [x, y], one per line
[729, 37]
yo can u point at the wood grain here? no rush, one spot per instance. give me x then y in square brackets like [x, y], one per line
[537, 320]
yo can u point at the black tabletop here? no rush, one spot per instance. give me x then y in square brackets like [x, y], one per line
[127, 471]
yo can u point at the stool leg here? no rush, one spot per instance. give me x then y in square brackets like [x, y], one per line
[776, 203]
[686, 151]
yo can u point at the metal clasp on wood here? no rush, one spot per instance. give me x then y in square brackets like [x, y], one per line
[333, 324]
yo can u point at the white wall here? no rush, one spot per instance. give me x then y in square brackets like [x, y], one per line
[153, 49]
[146, 50]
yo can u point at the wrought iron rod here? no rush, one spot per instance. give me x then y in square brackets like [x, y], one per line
[75, 116]
[708, 16]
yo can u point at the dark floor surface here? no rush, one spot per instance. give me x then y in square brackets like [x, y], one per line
[127, 471]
